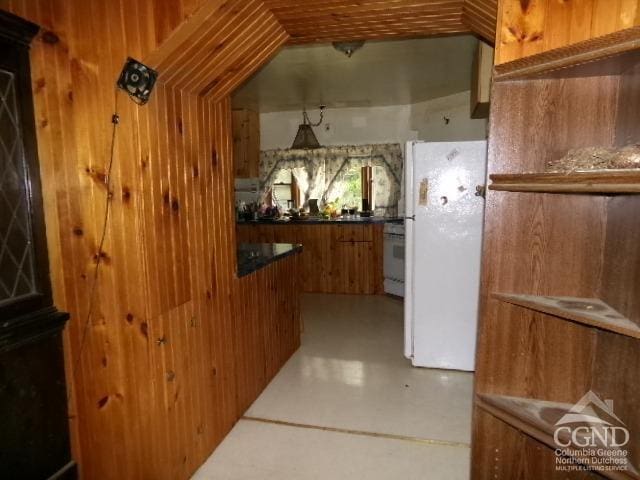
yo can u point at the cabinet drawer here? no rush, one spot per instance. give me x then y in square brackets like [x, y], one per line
[352, 233]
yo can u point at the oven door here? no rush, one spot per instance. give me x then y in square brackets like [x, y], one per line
[394, 257]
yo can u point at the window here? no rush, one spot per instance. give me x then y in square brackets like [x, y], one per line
[285, 193]
[355, 187]
[352, 188]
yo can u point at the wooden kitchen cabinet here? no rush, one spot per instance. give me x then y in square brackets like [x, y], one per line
[481, 81]
[246, 143]
[337, 258]
[352, 267]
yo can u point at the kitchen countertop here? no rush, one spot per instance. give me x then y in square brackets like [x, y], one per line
[316, 221]
[254, 256]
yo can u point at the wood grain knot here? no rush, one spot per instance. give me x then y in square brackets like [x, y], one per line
[126, 194]
[104, 258]
[97, 176]
[50, 37]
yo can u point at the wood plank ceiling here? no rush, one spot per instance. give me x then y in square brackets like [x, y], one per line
[331, 20]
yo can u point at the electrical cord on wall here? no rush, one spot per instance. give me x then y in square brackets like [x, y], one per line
[115, 120]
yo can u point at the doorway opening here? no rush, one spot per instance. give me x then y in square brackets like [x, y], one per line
[345, 201]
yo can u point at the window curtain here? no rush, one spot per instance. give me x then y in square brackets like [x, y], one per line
[307, 167]
[320, 173]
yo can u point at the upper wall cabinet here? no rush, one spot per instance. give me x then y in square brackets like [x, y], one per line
[246, 143]
[530, 27]
[481, 81]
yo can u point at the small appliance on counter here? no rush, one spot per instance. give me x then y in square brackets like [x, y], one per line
[366, 209]
[314, 209]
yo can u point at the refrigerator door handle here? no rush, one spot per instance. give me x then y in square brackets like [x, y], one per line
[412, 217]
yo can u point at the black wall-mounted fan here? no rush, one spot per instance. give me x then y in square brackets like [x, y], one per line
[137, 80]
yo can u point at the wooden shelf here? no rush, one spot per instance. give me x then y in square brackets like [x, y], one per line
[608, 182]
[537, 418]
[587, 311]
[610, 54]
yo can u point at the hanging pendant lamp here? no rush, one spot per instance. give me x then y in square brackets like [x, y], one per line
[305, 138]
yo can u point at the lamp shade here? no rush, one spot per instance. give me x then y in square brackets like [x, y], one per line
[305, 138]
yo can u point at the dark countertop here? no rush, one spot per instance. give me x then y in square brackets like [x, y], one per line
[254, 256]
[317, 221]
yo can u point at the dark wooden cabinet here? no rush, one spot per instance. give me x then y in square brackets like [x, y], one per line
[34, 439]
[33, 402]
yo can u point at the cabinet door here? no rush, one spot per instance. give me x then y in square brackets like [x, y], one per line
[239, 141]
[253, 143]
[246, 143]
[349, 233]
[352, 268]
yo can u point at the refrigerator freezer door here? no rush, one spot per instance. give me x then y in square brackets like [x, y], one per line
[408, 253]
[444, 250]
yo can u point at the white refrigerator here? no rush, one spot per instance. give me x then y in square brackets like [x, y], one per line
[444, 211]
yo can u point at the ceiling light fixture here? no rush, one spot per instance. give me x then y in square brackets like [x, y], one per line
[348, 48]
[305, 138]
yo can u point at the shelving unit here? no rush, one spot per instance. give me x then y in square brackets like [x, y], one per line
[587, 311]
[537, 418]
[560, 300]
[611, 53]
[611, 182]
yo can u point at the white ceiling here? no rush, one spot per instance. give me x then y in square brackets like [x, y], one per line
[382, 73]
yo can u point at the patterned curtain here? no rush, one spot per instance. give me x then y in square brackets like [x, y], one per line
[307, 167]
[320, 173]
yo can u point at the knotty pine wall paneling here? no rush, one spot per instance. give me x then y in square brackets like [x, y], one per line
[153, 386]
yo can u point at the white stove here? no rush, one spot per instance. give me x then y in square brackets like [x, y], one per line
[394, 259]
